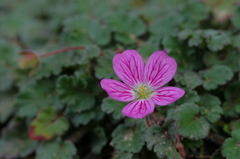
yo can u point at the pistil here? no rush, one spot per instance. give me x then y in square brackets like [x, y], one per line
[143, 92]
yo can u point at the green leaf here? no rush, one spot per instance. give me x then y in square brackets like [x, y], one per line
[122, 155]
[7, 102]
[235, 124]
[216, 75]
[189, 78]
[231, 106]
[231, 148]
[49, 124]
[216, 40]
[195, 39]
[210, 107]
[163, 27]
[190, 96]
[15, 143]
[158, 139]
[125, 38]
[127, 28]
[99, 140]
[125, 23]
[184, 55]
[227, 58]
[229, 109]
[104, 65]
[217, 155]
[185, 34]
[56, 149]
[76, 92]
[8, 63]
[34, 33]
[85, 7]
[110, 105]
[194, 36]
[54, 64]
[129, 138]
[84, 30]
[5, 77]
[236, 17]
[147, 49]
[192, 144]
[236, 134]
[35, 97]
[193, 12]
[190, 123]
[83, 118]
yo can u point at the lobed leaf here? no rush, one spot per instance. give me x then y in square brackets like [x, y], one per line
[35, 97]
[131, 25]
[196, 39]
[110, 105]
[190, 96]
[192, 144]
[129, 138]
[163, 27]
[194, 12]
[216, 75]
[48, 124]
[8, 64]
[53, 65]
[146, 49]
[85, 117]
[210, 107]
[104, 65]
[77, 92]
[217, 40]
[189, 78]
[128, 31]
[226, 58]
[7, 103]
[190, 123]
[14, 142]
[84, 30]
[231, 148]
[122, 155]
[236, 134]
[181, 53]
[158, 140]
[99, 140]
[56, 149]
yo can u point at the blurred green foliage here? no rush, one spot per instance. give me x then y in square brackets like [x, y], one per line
[57, 110]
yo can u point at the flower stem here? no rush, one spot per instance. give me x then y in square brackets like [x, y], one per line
[180, 147]
[62, 50]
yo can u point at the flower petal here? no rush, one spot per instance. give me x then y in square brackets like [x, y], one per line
[159, 69]
[129, 67]
[138, 108]
[117, 90]
[167, 95]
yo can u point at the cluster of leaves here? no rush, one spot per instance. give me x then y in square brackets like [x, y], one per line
[55, 108]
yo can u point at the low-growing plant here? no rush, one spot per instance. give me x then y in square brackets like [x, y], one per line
[120, 79]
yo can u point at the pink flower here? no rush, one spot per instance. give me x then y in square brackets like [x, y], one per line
[142, 84]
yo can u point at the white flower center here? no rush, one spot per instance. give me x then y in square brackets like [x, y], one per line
[143, 91]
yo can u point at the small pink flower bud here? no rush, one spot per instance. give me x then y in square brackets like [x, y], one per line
[28, 60]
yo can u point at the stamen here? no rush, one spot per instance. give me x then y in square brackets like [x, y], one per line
[143, 91]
